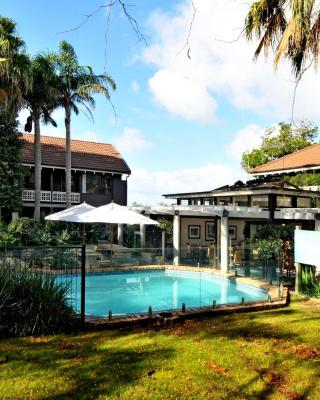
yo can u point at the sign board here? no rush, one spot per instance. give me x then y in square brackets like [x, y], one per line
[307, 247]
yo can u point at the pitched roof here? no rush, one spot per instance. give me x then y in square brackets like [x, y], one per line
[84, 155]
[302, 159]
[239, 186]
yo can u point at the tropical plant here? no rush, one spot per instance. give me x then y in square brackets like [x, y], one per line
[14, 82]
[22, 228]
[39, 100]
[14, 68]
[76, 85]
[310, 282]
[33, 304]
[290, 28]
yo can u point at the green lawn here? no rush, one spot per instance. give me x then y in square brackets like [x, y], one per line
[263, 355]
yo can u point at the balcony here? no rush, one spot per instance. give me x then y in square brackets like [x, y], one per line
[50, 197]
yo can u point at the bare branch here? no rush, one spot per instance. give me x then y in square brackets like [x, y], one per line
[187, 44]
[233, 40]
[297, 81]
[133, 22]
[87, 17]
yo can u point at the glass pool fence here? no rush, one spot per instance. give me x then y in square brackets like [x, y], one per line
[110, 279]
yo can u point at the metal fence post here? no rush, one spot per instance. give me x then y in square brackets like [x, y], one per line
[83, 282]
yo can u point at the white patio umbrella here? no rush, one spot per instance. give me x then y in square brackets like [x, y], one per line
[72, 214]
[113, 213]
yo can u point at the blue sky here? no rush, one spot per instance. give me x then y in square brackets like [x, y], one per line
[182, 123]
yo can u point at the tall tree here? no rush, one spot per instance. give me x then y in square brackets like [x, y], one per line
[40, 100]
[290, 28]
[14, 82]
[76, 85]
[279, 141]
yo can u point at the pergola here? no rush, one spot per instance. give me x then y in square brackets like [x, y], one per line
[224, 213]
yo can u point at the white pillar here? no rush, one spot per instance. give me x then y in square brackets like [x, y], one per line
[224, 245]
[84, 183]
[120, 234]
[163, 245]
[297, 286]
[14, 215]
[317, 225]
[176, 239]
[142, 235]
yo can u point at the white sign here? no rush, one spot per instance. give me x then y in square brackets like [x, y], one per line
[307, 247]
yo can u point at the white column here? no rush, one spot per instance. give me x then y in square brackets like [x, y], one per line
[317, 225]
[224, 245]
[84, 183]
[14, 215]
[176, 239]
[297, 286]
[142, 235]
[120, 234]
[163, 245]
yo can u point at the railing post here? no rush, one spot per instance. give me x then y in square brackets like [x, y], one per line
[83, 283]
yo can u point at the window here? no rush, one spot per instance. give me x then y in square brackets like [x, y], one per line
[260, 201]
[98, 184]
[284, 201]
[303, 202]
[223, 201]
[241, 201]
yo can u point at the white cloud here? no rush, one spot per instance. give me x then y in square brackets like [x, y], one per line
[182, 96]
[245, 139]
[218, 69]
[130, 140]
[148, 187]
[135, 86]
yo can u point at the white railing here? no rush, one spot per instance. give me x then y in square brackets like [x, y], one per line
[29, 195]
[60, 197]
[47, 197]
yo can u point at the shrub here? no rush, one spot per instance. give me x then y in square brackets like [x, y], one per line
[310, 283]
[33, 304]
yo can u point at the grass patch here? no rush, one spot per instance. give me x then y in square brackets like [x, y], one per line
[264, 355]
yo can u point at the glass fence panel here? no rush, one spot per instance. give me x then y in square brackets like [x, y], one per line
[125, 281]
[63, 264]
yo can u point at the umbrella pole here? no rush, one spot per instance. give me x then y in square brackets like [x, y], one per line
[111, 241]
[84, 234]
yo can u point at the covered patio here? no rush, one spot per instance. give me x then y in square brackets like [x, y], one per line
[225, 220]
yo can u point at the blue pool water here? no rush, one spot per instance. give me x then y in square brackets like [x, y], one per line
[134, 292]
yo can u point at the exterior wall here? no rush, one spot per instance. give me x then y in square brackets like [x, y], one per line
[119, 190]
[95, 200]
[186, 221]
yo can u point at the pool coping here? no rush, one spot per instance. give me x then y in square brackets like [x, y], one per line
[278, 297]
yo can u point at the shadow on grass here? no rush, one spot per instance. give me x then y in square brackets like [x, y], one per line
[90, 367]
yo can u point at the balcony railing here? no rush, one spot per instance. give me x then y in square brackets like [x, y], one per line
[48, 197]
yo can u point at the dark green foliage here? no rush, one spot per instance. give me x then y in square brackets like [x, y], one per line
[33, 304]
[274, 145]
[11, 170]
[310, 282]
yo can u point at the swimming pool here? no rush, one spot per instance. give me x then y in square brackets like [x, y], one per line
[134, 291]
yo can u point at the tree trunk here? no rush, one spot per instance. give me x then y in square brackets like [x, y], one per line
[37, 166]
[68, 155]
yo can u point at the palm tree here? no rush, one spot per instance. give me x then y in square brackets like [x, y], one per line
[14, 82]
[76, 85]
[14, 68]
[290, 28]
[40, 101]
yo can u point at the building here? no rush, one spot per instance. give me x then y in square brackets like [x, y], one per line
[99, 174]
[305, 160]
[226, 218]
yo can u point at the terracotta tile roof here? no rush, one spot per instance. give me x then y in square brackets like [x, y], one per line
[305, 158]
[85, 155]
